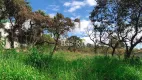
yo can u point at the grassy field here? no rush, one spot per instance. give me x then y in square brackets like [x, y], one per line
[35, 65]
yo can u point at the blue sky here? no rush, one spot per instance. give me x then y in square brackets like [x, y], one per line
[70, 8]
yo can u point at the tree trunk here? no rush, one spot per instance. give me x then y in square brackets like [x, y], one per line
[56, 43]
[114, 48]
[113, 51]
[128, 53]
[95, 48]
[11, 34]
[10, 37]
[11, 43]
[54, 47]
[106, 53]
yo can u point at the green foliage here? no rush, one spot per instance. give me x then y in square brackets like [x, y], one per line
[48, 38]
[75, 43]
[41, 12]
[37, 59]
[60, 25]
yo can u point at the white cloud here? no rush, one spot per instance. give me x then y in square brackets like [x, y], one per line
[67, 4]
[87, 40]
[53, 7]
[81, 31]
[74, 5]
[78, 3]
[56, 9]
[91, 2]
[52, 15]
[72, 9]
[83, 26]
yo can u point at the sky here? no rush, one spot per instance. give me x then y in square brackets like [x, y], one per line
[70, 8]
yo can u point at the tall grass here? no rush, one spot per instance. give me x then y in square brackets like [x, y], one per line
[35, 65]
[12, 67]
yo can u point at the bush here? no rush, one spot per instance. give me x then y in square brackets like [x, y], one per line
[37, 59]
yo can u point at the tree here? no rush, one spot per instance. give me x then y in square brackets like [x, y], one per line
[115, 43]
[103, 18]
[126, 15]
[17, 10]
[38, 23]
[58, 26]
[20, 12]
[75, 42]
[93, 35]
[130, 22]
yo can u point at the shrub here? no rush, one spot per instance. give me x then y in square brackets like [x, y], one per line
[37, 59]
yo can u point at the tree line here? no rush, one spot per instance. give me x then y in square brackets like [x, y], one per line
[116, 23]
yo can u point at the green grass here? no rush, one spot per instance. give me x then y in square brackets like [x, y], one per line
[35, 65]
